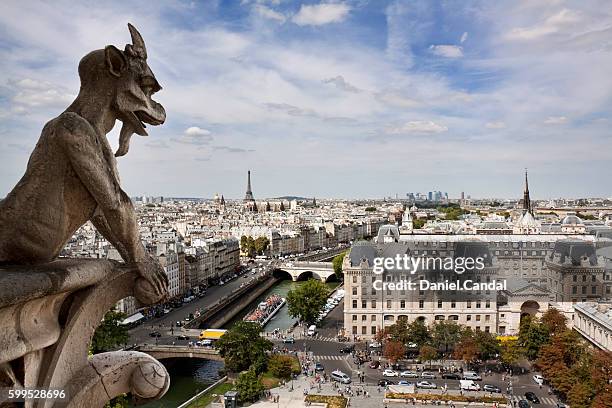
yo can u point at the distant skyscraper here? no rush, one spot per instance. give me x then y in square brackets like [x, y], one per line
[462, 196]
[248, 197]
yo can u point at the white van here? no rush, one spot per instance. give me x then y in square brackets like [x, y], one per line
[312, 330]
[471, 375]
[340, 377]
[469, 385]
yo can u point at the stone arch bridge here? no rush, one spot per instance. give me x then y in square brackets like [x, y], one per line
[161, 352]
[302, 270]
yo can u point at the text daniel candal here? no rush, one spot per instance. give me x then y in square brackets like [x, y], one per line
[423, 284]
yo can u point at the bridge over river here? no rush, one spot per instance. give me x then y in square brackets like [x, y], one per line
[302, 270]
[161, 352]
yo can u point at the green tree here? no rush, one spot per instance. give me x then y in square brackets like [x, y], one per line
[261, 244]
[370, 209]
[249, 386]
[418, 333]
[281, 366]
[445, 334]
[397, 331]
[242, 346]
[250, 246]
[394, 350]
[337, 264]
[487, 345]
[306, 301]
[532, 336]
[428, 353]
[418, 223]
[110, 333]
[510, 352]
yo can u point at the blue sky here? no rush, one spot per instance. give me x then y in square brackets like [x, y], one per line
[334, 99]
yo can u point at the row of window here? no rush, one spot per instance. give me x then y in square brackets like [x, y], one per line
[373, 329]
[453, 304]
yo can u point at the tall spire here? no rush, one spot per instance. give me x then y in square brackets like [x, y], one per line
[526, 199]
[249, 193]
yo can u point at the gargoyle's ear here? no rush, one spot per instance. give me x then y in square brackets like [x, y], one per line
[115, 60]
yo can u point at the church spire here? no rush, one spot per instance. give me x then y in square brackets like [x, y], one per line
[526, 199]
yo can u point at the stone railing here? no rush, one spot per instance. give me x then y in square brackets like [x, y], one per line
[48, 315]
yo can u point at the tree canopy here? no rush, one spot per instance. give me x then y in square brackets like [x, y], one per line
[110, 333]
[337, 264]
[306, 301]
[242, 346]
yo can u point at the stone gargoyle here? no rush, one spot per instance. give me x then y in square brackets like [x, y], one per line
[72, 176]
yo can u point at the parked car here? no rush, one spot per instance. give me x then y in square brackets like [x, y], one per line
[471, 375]
[409, 374]
[390, 373]
[451, 376]
[398, 367]
[289, 340]
[155, 334]
[375, 364]
[182, 337]
[375, 344]
[538, 379]
[384, 382]
[429, 375]
[530, 396]
[426, 385]
[404, 382]
[491, 388]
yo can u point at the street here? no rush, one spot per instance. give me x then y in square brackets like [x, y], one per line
[140, 333]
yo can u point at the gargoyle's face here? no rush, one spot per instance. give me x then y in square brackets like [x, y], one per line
[134, 86]
[133, 100]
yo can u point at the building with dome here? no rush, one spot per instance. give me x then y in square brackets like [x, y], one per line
[572, 224]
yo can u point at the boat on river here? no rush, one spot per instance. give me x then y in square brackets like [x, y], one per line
[266, 310]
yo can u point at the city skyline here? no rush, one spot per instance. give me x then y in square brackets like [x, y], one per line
[351, 99]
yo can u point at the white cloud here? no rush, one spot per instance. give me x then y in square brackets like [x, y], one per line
[495, 125]
[320, 14]
[464, 37]
[32, 93]
[447, 51]
[551, 25]
[555, 120]
[417, 126]
[196, 131]
[270, 14]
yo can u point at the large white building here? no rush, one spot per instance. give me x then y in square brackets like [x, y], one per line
[540, 271]
[593, 320]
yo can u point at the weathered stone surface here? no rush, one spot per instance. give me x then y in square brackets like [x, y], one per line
[72, 175]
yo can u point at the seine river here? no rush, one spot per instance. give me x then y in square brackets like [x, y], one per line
[189, 376]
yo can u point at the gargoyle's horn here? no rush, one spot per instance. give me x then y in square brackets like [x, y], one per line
[137, 41]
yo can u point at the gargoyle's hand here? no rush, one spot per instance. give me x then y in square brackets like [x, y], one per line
[152, 286]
